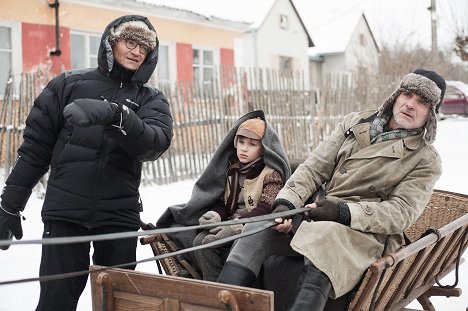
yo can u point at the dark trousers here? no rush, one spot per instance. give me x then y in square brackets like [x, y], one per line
[63, 294]
[210, 261]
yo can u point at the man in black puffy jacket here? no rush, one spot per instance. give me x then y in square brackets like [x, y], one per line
[94, 128]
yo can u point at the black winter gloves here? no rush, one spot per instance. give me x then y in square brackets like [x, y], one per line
[85, 112]
[281, 205]
[327, 210]
[10, 224]
[12, 201]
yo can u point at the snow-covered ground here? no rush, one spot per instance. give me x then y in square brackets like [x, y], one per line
[22, 261]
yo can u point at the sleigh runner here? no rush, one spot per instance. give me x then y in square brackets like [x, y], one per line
[438, 239]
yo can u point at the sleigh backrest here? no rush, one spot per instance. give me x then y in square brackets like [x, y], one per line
[410, 273]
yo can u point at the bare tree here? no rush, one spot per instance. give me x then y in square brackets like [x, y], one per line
[461, 46]
[396, 60]
[455, 14]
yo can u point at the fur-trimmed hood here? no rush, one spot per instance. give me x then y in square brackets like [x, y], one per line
[106, 57]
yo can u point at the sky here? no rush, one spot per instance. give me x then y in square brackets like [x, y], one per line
[403, 21]
[22, 261]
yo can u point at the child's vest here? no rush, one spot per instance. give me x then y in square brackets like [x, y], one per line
[253, 188]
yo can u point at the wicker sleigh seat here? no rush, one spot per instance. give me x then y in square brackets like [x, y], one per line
[438, 239]
[395, 280]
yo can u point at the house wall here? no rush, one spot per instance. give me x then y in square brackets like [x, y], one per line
[38, 41]
[37, 22]
[184, 60]
[315, 70]
[334, 64]
[361, 51]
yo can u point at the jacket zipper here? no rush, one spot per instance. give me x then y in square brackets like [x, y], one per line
[98, 176]
[98, 179]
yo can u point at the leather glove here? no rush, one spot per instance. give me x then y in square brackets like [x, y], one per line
[220, 232]
[326, 210]
[209, 217]
[10, 225]
[84, 112]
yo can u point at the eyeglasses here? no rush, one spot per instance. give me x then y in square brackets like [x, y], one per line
[131, 44]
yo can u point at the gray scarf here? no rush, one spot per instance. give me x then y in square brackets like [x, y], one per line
[379, 131]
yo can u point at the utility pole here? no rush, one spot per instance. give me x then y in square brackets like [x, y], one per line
[432, 9]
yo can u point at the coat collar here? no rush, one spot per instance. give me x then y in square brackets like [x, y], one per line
[390, 148]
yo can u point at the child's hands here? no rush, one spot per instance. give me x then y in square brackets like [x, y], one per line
[221, 232]
[209, 217]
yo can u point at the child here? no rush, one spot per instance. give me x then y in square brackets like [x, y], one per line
[241, 180]
[250, 189]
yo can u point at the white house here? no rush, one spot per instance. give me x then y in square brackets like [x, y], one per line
[344, 46]
[278, 40]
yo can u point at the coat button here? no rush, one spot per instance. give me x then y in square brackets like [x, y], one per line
[371, 189]
[342, 170]
[367, 209]
[292, 184]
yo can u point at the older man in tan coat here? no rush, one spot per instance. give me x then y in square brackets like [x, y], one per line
[378, 170]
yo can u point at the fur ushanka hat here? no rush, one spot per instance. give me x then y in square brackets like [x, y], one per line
[426, 84]
[134, 30]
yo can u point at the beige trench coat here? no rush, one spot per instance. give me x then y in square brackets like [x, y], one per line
[386, 186]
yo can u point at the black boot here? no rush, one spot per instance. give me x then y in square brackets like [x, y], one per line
[313, 289]
[236, 274]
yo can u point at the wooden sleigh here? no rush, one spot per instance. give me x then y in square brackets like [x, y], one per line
[439, 239]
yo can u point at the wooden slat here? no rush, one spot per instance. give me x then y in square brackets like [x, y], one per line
[133, 290]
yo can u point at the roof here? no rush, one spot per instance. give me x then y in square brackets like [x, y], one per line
[253, 12]
[234, 10]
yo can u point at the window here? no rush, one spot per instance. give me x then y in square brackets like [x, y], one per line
[11, 54]
[285, 63]
[362, 39]
[162, 70]
[203, 65]
[5, 57]
[84, 49]
[161, 76]
[284, 24]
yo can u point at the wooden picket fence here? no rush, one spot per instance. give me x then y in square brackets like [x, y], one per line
[204, 113]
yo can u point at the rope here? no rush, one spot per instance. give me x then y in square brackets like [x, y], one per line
[266, 225]
[132, 234]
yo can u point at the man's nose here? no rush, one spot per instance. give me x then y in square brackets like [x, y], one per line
[136, 50]
[411, 103]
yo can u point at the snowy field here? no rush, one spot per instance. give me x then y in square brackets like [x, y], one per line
[22, 261]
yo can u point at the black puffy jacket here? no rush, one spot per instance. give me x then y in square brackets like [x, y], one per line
[95, 171]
